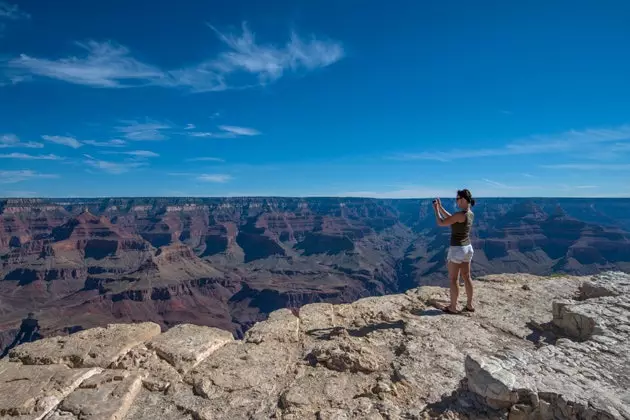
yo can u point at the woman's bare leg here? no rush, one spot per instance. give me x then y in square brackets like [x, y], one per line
[453, 275]
[465, 270]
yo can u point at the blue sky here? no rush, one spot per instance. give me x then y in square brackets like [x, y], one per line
[311, 98]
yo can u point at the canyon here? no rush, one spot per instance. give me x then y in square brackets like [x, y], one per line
[229, 262]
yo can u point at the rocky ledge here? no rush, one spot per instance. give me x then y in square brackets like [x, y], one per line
[536, 348]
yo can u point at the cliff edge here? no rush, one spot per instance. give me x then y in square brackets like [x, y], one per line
[536, 348]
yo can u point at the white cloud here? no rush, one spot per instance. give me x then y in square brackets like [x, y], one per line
[190, 127]
[239, 131]
[64, 141]
[227, 132]
[106, 65]
[494, 183]
[136, 131]
[11, 177]
[403, 192]
[218, 178]
[538, 144]
[503, 186]
[621, 148]
[590, 166]
[11, 140]
[205, 159]
[112, 167]
[30, 157]
[141, 153]
[202, 134]
[109, 143]
[246, 63]
[19, 194]
[12, 12]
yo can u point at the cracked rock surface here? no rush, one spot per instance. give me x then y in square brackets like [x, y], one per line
[536, 348]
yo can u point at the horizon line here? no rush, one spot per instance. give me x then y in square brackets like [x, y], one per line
[294, 196]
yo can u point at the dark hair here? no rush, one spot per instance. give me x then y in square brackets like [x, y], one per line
[466, 195]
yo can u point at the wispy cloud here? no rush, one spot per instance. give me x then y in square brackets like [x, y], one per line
[620, 148]
[590, 166]
[11, 177]
[11, 140]
[137, 153]
[501, 186]
[105, 65]
[569, 140]
[403, 192]
[109, 143]
[227, 132]
[239, 131]
[526, 175]
[112, 167]
[246, 63]
[25, 156]
[64, 141]
[190, 127]
[142, 153]
[137, 131]
[218, 178]
[18, 194]
[202, 134]
[494, 183]
[205, 159]
[12, 12]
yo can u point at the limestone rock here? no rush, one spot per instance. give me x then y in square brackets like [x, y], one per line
[157, 374]
[106, 396]
[606, 284]
[185, 345]
[281, 326]
[536, 348]
[346, 357]
[96, 347]
[317, 316]
[31, 392]
[588, 378]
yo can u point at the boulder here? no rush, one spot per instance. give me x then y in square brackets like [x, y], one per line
[96, 347]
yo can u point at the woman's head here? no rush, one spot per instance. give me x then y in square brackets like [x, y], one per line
[464, 199]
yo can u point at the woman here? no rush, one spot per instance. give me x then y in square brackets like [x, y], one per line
[460, 251]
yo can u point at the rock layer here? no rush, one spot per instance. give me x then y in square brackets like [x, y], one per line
[536, 348]
[229, 262]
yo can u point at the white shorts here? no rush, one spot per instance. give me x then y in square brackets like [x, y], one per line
[460, 254]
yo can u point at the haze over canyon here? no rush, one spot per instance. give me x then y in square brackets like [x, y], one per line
[228, 262]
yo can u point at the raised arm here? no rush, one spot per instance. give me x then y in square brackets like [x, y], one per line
[449, 220]
[442, 209]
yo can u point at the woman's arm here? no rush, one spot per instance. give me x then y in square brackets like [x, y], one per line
[442, 209]
[449, 220]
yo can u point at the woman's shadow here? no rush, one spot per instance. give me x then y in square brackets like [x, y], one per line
[29, 331]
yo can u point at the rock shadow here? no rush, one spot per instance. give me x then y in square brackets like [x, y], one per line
[428, 312]
[541, 333]
[329, 333]
[462, 403]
